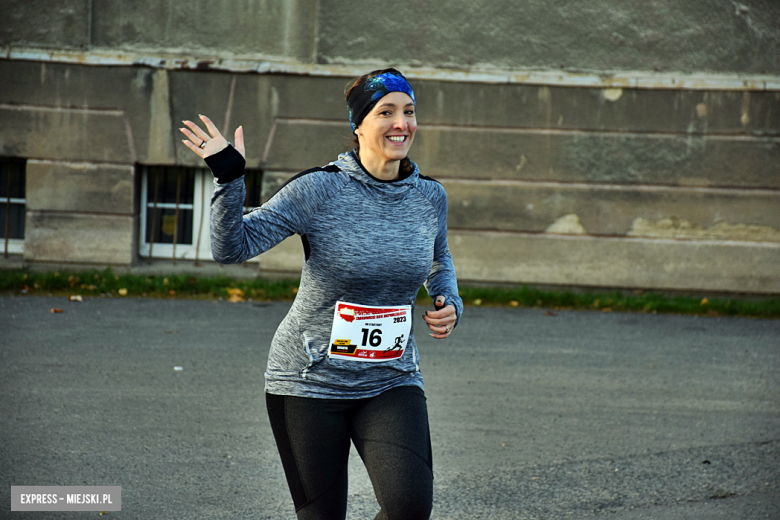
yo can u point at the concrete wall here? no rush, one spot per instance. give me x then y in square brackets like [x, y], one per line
[668, 35]
[668, 186]
[595, 35]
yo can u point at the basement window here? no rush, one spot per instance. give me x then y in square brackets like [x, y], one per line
[12, 205]
[175, 204]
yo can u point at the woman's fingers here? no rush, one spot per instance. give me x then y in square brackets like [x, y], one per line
[192, 147]
[206, 144]
[441, 322]
[194, 139]
[443, 315]
[193, 142]
[197, 131]
[239, 138]
[211, 127]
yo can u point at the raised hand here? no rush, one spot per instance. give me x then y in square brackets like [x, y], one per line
[204, 144]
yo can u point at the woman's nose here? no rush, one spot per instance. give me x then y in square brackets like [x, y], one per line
[399, 122]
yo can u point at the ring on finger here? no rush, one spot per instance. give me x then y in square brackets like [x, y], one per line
[447, 328]
[202, 144]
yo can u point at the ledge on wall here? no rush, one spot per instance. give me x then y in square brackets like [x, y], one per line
[174, 59]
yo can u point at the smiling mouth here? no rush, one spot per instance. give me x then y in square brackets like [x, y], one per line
[397, 138]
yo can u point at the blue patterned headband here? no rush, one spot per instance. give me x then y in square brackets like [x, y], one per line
[365, 96]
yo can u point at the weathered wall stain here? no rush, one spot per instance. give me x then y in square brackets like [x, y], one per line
[567, 225]
[673, 227]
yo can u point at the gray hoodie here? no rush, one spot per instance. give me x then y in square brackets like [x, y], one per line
[366, 241]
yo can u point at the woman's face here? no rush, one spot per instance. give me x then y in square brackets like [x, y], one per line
[388, 130]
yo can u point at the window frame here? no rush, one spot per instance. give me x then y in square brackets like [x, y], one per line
[203, 190]
[15, 246]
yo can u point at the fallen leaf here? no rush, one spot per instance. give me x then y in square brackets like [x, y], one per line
[550, 313]
[514, 303]
[235, 295]
[55, 310]
[75, 298]
[122, 292]
[235, 291]
[172, 292]
[704, 301]
[478, 301]
[606, 309]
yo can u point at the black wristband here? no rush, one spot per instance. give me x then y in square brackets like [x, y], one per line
[226, 165]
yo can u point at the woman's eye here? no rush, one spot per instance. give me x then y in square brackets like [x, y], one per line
[410, 112]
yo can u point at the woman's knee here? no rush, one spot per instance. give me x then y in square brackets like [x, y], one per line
[407, 510]
[412, 500]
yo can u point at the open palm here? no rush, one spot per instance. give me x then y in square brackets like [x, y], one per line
[206, 144]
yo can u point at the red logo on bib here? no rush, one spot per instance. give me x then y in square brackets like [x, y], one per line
[351, 313]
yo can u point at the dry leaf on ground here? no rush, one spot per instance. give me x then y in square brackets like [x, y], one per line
[235, 295]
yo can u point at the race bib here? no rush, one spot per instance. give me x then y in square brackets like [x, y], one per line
[369, 334]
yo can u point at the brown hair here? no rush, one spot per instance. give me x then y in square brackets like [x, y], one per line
[405, 167]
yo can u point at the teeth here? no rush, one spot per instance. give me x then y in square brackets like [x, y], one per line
[397, 138]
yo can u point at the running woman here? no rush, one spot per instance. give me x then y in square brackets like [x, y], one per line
[343, 365]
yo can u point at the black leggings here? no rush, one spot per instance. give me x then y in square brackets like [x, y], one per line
[390, 432]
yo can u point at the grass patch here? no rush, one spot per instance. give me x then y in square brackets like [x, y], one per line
[620, 302]
[105, 283]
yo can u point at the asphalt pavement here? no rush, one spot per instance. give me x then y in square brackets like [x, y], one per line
[535, 414]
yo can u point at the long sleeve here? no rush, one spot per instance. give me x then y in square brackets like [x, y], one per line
[236, 237]
[442, 279]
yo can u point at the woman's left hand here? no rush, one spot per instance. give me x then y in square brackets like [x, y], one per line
[204, 144]
[442, 321]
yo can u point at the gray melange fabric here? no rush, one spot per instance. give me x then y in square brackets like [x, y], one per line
[367, 241]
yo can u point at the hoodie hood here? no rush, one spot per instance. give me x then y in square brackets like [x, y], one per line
[385, 191]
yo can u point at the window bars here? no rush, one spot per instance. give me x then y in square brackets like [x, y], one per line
[175, 201]
[12, 196]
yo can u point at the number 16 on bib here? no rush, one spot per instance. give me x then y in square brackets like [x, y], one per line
[369, 334]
